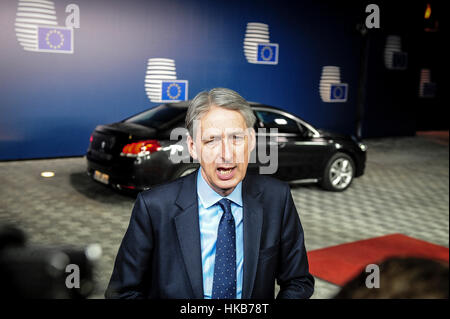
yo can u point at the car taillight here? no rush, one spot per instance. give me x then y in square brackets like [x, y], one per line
[141, 148]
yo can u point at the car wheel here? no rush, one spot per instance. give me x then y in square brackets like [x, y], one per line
[339, 173]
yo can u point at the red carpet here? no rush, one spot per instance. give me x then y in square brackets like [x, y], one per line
[439, 137]
[338, 264]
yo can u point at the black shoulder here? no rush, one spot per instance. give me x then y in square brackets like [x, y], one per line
[163, 191]
[266, 183]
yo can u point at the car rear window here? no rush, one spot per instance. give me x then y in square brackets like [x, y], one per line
[158, 117]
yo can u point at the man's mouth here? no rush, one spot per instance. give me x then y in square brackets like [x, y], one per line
[225, 173]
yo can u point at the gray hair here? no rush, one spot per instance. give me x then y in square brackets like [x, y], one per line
[221, 97]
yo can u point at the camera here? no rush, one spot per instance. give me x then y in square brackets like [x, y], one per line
[44, 272]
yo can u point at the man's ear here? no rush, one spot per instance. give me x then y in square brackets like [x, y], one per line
[191, 147]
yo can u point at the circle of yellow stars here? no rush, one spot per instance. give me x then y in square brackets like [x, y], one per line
[61, 37]
[263, 50]
[176, 96]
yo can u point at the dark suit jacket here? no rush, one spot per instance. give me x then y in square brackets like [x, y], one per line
[160, 255]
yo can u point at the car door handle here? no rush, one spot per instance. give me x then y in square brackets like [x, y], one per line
[281, 141]
[279, 144]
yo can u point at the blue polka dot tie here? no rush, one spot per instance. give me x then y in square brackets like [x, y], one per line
[224, 282]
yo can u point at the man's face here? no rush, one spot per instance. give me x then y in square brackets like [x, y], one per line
[222, 145]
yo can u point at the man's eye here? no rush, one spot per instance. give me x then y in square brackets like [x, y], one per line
[238, 138]
[211, 141]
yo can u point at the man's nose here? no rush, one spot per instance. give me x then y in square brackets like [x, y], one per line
[227, 150]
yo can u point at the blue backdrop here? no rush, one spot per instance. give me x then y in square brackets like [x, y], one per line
[50, 103]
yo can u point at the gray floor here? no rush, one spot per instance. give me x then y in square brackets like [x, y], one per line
[405, 190]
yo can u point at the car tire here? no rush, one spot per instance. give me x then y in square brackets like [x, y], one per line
[339, 173]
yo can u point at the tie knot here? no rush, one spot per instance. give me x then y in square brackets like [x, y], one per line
[225, 203]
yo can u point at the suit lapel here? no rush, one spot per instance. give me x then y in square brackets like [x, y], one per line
[188, 231]
[253, 219]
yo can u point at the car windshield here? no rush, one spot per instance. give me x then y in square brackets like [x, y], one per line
[158, 116]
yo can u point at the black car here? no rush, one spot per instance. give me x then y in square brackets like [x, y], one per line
[137, 153]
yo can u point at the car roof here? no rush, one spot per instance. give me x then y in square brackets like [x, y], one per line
[185, 104]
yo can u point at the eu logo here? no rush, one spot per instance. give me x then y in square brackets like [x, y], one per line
[338, 92]
[55, 39]
[174, 90]
[267, 53]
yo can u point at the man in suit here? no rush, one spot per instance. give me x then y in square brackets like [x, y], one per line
[218, 232]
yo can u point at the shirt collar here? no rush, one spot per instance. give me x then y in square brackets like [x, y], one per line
[209, 197]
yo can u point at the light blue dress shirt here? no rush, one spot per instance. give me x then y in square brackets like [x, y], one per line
[209, 217]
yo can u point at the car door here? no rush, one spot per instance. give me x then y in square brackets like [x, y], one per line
[301, 150]
[312, 152]
[277, 148]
